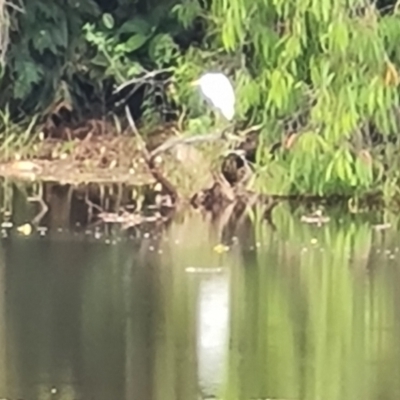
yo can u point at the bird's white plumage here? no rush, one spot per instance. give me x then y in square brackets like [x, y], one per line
[218, 91]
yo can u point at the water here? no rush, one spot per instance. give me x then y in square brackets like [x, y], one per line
[290, 311]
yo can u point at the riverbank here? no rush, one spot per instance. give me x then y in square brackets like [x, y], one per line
[214, 175]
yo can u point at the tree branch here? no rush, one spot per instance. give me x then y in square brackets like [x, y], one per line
[142, 79]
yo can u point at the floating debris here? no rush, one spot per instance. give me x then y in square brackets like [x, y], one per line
[25, 229]
[381, 227]
[202, 270]
[127, 219]
[220, 248]
[42, 230]
[316, 218]
[6, 224]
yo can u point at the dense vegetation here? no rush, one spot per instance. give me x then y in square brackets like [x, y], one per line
[324, 69]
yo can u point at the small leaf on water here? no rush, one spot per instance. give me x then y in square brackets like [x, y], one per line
[25, 229]
[220, 248]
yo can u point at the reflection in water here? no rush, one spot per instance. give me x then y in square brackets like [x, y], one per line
[213, 321]
[298, 312]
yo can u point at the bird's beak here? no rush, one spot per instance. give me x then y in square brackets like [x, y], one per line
[194, 83]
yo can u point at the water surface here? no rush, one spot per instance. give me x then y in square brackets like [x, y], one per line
[290, 311]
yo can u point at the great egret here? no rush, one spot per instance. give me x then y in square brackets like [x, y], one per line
[218, 91]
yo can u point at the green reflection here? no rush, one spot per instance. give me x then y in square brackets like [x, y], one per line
[291, 312]
[315, 314]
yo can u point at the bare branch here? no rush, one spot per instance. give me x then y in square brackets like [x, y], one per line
[142, 79]
[212, 137]
[132, 123]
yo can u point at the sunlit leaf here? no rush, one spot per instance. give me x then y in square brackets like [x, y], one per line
[108, 20]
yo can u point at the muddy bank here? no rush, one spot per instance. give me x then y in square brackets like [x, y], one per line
[95, 152]
[100, 159]
[96, 161]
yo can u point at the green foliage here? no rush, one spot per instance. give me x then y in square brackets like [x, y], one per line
[326, 59]
[44, 50]
[79, 43]
[332, 62]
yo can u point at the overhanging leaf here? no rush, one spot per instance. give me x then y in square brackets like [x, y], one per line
[135, 42]
[136, 25]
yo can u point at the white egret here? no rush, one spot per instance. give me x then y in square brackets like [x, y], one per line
[218, 91]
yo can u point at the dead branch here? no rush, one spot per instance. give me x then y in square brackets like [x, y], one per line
[157, 174]
[142, 79]
[212, 137]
